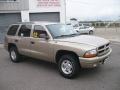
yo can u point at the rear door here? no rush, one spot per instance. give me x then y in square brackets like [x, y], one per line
[82, 29]
[23, 39]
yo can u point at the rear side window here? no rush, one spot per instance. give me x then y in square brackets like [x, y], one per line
[25, 30]
[12, 30]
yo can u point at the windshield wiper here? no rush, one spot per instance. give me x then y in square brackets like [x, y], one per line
[70, 35]
[75, 34]
[63, 36]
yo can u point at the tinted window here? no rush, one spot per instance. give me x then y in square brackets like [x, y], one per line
[13, 29]
[25, 30]
[38, 30]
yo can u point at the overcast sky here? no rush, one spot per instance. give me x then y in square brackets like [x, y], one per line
[93, 9]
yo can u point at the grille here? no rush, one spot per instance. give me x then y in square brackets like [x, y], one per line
[103, 49]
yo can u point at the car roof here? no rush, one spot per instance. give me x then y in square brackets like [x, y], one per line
[38, 22]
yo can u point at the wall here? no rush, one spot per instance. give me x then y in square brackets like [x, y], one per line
[40, 6]
[14, 5]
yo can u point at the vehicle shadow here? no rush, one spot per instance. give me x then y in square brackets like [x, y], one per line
[83, 73]
[90, 72]
[40, 63]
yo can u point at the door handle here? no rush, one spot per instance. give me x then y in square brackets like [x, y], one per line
[16, 40]
[32, 42]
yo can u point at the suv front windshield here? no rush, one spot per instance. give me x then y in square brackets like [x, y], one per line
[61, 30]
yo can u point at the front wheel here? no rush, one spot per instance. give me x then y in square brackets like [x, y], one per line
[68, 66]
[14, 55]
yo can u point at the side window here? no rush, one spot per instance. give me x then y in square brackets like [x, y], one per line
[12, 30]
[25, 30]
[38, 30]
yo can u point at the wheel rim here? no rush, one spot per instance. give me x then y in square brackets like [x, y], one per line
[13, 55]
[67, 67]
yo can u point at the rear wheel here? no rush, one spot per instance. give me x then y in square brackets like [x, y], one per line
[68, 66]
[14, 54]
[91, 32]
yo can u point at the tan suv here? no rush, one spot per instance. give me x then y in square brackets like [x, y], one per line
[56, 43]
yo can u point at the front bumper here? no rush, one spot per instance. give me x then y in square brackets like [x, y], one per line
[93, 62]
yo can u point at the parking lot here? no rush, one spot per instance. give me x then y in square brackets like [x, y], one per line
[34, 74]
[112, 34]
[38, 75]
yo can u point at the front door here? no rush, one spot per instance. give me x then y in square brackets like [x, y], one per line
[41, 47]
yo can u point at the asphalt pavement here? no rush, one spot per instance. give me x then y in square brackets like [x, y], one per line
[112, 34]
[34, 74]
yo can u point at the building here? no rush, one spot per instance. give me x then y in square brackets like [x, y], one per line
[12, 11]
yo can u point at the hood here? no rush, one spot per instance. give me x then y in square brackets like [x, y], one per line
[85, 39]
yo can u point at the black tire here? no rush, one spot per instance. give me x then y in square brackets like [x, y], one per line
[91, 32]
[17, 58]
[75, 66]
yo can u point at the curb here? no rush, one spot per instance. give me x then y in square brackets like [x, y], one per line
[115, 41]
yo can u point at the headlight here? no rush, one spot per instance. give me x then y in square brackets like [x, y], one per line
[90, 54]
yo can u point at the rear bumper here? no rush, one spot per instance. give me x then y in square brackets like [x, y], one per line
[93, 62]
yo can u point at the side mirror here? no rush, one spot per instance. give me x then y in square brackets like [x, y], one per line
[44, 36]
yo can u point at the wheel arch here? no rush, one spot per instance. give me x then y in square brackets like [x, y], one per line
[64, 52]
[11, 45]
[91, 31]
